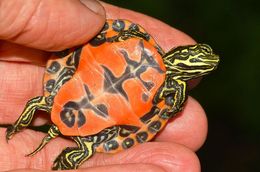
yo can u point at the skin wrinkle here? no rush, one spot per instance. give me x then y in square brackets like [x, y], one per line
[57, 21]
[23, 29]
[167, 159]
[162, 158]
[6, 18]
[18, 17]
[44, 28]
[79, 29]
[34, 22]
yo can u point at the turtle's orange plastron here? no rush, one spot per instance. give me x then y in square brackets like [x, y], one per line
[122, 92]
[116, 91]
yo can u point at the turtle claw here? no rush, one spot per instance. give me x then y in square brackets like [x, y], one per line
[33, 152]
[10, 131]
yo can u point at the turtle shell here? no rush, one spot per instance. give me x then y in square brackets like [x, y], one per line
[114, 84]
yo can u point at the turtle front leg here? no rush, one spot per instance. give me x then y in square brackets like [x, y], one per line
[174, 94]
[72, 157]
[37, 103]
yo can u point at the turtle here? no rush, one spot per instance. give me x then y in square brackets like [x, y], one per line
[114, 92]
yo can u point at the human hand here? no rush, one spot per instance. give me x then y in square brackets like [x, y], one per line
[40, 29]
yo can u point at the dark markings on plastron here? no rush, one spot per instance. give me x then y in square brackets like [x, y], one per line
[155, 126]
[150, 59]
[127, 143]
[160, 50]
[90, 96]
[85, 103]
[126, 130]
[105, 27]
[148, 85]
[147, 36]
[68, 118]
[134, 27]
[111, 145]
[147, 61]
[102, 108]
[54, 67]
[68, 115]
[98, 40]
[141, 137]
[113, 84]
[50, 85]
[81, 119]
[154, 111]
[118, 25]
[125, 35]
[73, 60]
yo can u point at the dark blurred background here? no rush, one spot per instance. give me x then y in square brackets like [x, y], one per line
[229, 96]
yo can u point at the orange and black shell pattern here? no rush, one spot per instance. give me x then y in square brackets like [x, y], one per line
[115, 78]
[116, 91]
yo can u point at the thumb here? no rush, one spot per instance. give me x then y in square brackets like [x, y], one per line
[50, 25]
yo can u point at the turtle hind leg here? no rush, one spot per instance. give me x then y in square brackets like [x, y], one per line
[52, 133]
[37, 103]
[73, 157]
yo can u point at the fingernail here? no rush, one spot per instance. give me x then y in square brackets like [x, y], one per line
[94, 6]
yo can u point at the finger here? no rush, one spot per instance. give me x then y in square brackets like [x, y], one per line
[188, 128]
[50, 25]
[109, 168]
[168, 156]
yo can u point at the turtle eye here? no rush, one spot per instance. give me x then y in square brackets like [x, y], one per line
[195, 60]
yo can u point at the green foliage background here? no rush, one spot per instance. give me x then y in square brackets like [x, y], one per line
[229, 96]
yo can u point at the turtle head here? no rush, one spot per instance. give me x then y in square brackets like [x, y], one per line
[189, 62]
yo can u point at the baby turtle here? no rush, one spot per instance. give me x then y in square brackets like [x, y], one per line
[114, 92]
